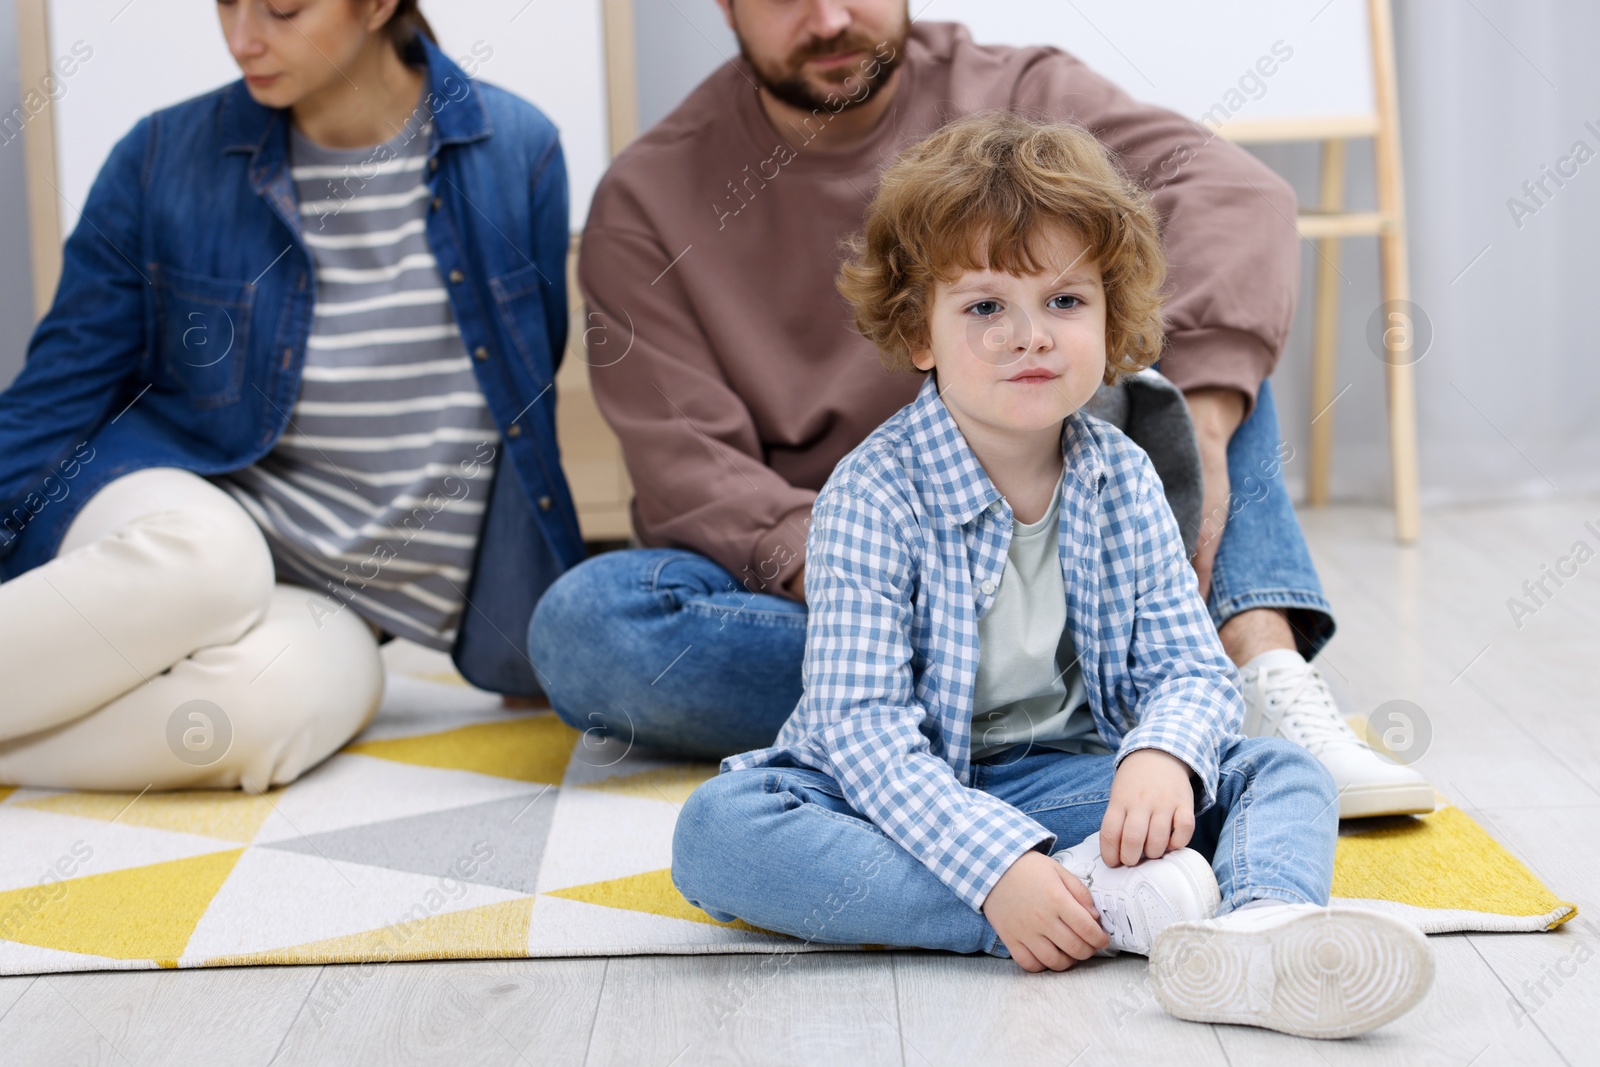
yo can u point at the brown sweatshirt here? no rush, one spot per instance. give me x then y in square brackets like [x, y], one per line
[726, 361]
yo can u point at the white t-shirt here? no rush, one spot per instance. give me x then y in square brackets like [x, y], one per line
[1029, 688]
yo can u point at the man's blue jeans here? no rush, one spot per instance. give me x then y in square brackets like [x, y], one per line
[780, 847]
[664, 648]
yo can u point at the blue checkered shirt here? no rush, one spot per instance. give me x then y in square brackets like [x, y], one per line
[906, 550]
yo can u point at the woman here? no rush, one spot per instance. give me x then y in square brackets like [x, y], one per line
[293, 396]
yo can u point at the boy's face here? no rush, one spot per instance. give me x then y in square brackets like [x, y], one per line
[1017, 353]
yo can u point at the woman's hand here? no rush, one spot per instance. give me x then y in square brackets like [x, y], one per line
[1044, 915]
[1151, 811]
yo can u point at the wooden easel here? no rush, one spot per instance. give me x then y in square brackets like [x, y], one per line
[1328, 224]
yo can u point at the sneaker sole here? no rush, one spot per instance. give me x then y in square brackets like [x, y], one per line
[1328, 974]
[1368, 801]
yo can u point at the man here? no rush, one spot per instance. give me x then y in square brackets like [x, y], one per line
[723, 358]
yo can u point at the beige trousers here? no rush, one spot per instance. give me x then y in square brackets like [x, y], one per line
[156, 651]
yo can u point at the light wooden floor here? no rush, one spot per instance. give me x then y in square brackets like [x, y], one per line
[1516, 742]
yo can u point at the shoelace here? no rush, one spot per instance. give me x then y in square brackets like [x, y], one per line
[1114, 918]
[1299, 700]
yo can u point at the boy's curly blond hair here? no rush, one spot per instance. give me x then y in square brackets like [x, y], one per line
[978, 195]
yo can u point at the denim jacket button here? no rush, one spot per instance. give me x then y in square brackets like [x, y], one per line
[456, 277]
[514, 430]
[545, 503]
[481, 353]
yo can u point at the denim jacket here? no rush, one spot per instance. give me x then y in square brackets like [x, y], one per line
[905, 554]
[179, 329]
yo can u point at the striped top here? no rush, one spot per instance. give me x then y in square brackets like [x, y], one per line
[375, 493]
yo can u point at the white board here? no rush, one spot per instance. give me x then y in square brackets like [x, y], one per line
[1195, 55]
[146, 54]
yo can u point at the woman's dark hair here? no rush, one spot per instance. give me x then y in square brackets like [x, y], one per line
[406, 25]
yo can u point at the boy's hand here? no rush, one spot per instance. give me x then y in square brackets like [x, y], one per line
[1151, 810]
[1044, 915]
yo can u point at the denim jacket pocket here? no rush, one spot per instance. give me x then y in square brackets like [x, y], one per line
[202, 330]
[519, 297]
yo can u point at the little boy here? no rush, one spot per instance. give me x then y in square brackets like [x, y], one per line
[1007, 649]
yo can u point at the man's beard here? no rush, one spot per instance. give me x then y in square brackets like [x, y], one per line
[853, 88]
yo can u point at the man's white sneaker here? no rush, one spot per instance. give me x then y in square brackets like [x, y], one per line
[1297, 968]
[1284, 696]
[1137, 903]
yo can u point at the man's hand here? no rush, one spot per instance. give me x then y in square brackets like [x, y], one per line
[1044, 915]
[1151, 811]
[797, 585]
[1216, 413]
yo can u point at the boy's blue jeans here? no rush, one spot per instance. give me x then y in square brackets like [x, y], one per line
[663, 648]
[780, 848]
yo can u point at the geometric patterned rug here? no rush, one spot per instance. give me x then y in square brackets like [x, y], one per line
[451, 828]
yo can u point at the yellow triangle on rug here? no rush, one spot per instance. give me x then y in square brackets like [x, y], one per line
[651, 892]
[144, 912]
[533, 748]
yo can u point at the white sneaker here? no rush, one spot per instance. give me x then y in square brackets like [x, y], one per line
[1297, 968]
[1137, 903]
[1284, 696]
